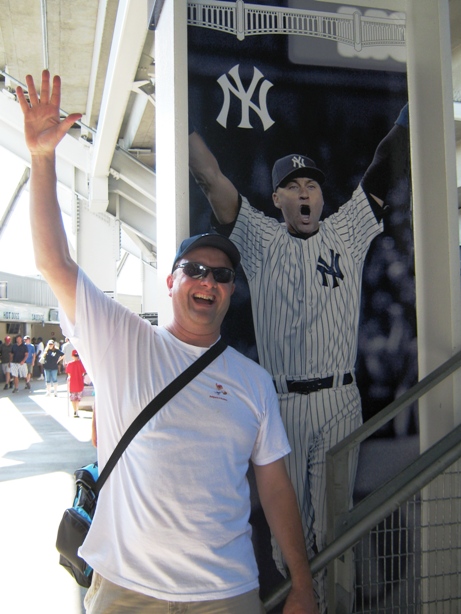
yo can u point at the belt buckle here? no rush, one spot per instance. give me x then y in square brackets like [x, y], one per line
[306, 386]
[314, 384]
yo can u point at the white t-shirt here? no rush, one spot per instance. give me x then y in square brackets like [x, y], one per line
[172, 519]
[67, 348]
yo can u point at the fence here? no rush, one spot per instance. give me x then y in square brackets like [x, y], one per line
[245, 19]
[409, 563]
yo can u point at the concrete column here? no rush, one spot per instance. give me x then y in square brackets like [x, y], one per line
[438, 299]
[435, 208]
[150, 289]
[98, 241]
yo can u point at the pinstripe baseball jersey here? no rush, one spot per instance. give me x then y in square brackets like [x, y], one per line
[305, 294]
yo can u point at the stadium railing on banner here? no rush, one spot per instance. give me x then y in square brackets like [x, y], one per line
[398, 550]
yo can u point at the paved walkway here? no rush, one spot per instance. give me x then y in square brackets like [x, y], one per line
[41, 445]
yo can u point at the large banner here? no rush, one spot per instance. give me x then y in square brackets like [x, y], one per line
[268, 79]
[271, 79]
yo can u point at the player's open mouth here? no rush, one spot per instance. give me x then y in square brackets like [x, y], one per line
[305, 210]
[204, 299]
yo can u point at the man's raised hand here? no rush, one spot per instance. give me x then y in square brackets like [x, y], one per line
[43, 127]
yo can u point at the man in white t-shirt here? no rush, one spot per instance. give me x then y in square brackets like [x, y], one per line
[67, 348]
[171, 530]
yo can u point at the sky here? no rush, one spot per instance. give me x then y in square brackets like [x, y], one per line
[16, 253]
[14, 260]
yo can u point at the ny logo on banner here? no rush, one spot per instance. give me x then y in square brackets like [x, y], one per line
[330, 269]
[245, 98]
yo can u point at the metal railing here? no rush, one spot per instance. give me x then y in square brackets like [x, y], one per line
[398, 550]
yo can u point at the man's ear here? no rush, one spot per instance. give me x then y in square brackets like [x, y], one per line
[275, 200]
[169, 283]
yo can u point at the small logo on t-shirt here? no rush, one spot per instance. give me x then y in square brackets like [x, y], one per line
[219, 392]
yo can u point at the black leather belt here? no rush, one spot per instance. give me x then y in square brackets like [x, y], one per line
[313, 385]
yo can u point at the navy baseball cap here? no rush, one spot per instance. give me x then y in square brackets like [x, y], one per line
[295, 165]
[209, 240]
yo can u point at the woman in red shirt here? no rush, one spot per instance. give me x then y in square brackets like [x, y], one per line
[75, 371]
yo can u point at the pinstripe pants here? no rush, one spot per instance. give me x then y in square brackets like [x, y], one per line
[314, 424]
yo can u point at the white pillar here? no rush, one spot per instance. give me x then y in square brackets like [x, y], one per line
[435, 208]
[172, 168]
[98, 243]
[149, 288]
[438, 299]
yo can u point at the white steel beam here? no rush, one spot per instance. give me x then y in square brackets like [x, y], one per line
[129, 36]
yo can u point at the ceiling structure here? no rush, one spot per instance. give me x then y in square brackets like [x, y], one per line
[104, 53]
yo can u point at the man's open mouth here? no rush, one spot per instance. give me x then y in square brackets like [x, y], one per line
[204, 298]
[305, 210]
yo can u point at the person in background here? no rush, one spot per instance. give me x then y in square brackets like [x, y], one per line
[30, 361]
[5, 349]
[176, 538]
[40, 348]
[58, 345]
[67, 348]
[18, 356]
[76, 372]
[52, 356]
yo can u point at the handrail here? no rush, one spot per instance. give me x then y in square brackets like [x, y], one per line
[409, 396]
[388, 497]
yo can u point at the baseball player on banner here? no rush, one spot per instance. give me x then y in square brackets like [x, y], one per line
[305, 278]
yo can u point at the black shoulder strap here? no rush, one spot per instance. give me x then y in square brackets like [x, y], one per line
[157, 403]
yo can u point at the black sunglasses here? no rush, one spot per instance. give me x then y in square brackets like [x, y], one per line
[200, 271]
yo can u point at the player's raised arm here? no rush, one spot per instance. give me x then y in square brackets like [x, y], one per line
[391, 160]
[220, 191]
[43, 131]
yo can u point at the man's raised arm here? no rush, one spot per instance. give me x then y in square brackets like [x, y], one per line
[220, 191]
[43, 131]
